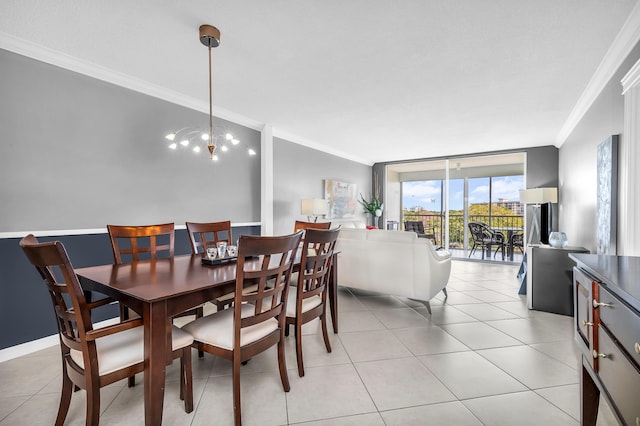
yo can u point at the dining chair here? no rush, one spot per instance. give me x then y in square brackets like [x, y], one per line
[203, 235]
[95, 357]
[257, 320]
[300, 225]
[308, 300]
[144, 242]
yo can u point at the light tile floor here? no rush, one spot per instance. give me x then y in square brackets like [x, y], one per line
[482, 358]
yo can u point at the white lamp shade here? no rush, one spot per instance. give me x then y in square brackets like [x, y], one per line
[313, 206]
[539, 195]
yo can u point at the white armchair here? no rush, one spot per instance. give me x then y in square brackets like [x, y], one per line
[392, 262]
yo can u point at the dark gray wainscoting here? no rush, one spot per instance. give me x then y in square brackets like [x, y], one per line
[25, 306]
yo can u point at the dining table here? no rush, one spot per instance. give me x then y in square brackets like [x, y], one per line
[162, 288]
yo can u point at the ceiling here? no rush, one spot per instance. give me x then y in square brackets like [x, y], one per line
[374, 80]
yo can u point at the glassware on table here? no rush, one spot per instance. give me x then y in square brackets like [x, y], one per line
[222, 248]
[232, 251]
[212, 253]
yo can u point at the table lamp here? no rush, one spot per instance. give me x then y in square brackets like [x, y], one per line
[313, 207]
[540, 197]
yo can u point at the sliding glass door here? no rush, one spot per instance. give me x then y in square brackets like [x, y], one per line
[445, 195]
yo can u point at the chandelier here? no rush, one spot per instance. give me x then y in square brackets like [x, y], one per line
[189, 136]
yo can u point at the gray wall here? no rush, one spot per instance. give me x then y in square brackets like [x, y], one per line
[299, 172]
[79, 153]
[578, 171]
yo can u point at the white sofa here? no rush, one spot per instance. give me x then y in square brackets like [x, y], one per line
[392, 262]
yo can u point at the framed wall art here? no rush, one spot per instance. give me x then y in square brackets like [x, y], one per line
[606, 212]
[341, 197]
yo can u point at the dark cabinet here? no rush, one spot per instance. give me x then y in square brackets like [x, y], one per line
[549, 279]
[607, 331]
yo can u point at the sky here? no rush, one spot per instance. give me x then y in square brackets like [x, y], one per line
[427, 193]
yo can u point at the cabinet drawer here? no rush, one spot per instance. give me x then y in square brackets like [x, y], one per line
[621, 379]
[623, 322]
[583, 315]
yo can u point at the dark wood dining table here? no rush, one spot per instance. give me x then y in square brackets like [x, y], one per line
[160, 289]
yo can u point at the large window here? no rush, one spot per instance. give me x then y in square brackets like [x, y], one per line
[478, 189]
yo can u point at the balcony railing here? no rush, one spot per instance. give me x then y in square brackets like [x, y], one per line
[435, 222]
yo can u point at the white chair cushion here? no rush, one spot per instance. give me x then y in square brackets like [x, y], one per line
[217, 329]
[307, 304]
[126, 348]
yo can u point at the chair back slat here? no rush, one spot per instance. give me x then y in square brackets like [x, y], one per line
[69, 304]
[203, 235]
[269, 262]
[136, 236]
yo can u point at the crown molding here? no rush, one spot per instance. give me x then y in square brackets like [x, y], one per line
[622, 45]
[71, 63]
[632, 78]
[283, 134]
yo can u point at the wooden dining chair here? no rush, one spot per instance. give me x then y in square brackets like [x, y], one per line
[142, 243]
[95, 357]
[257, 320]
[303, 226]
[308, 300]
[203, 235]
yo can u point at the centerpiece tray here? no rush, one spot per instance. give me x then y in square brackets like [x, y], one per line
[219, 260]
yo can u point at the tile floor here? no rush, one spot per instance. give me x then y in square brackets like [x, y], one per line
[482, 358]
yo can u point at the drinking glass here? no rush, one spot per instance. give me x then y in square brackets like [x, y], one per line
[212, 253]
[232, 251]
[222, 248]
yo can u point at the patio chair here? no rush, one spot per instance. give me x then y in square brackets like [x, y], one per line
[485, 238]
[517, 241]
[418, 228]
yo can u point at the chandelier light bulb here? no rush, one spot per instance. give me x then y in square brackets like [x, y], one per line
[173, 146]
[224, 148]
[251, 152]
[228, 136]
[205, 136]
[184, 142]
[196, 149]
[215, 157]
[235, 141]
[170, 136]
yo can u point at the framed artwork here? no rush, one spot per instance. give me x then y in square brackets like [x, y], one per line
[341, 197]
[606, 212]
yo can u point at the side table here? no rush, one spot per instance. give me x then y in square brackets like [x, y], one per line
[550, 278]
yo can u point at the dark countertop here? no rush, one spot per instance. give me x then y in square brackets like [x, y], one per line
[621, 274]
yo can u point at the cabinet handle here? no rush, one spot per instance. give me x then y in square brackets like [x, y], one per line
[597, 355]
[597, 304]
[637, 421]
[586, 323]
[637, 348]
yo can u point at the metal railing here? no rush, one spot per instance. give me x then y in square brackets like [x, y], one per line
[435, 223]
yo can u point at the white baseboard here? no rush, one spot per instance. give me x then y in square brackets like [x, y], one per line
[43, 343]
